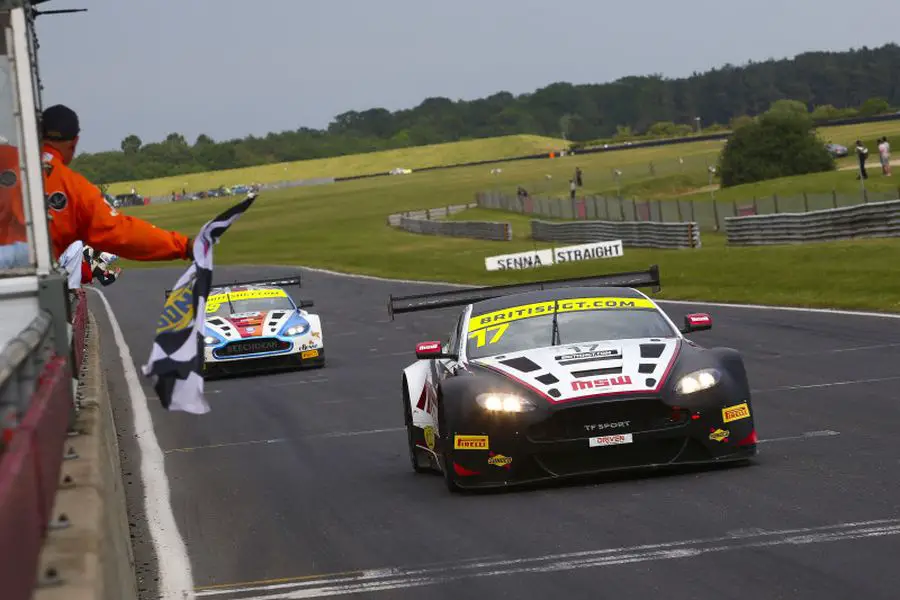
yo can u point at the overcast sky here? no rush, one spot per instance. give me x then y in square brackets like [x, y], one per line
[229, 68]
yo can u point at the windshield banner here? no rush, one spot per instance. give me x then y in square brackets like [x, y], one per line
[538, 309]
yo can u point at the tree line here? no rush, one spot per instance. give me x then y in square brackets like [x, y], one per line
[832, 85]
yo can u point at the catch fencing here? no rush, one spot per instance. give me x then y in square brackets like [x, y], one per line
[633, 234]
[874, 219]
[36, 403]
[709, 213]
[426, 221]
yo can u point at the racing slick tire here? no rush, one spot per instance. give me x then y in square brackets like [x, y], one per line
[446, 450]
[419, 463]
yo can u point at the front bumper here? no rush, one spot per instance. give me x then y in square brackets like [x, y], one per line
[289, 353]
[502, 450]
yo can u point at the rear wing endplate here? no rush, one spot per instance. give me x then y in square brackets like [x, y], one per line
[278, 282]
[432, 301]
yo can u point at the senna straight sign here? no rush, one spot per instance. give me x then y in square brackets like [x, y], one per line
[541, 258]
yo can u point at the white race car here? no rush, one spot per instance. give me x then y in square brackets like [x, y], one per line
[256, 326]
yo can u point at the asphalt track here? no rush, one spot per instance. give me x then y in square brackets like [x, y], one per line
[298, 485]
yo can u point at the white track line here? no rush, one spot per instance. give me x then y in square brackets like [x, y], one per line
[812, 386]
[342, 434]
[834, 311]
[175, 575]
[409, 577]
[802, 436]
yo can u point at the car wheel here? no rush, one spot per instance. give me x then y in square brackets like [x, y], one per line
[446, 450]
[419, 464]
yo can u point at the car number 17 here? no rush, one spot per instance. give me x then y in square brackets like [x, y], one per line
[480, 336]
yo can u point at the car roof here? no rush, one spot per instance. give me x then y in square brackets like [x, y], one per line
[511, 300]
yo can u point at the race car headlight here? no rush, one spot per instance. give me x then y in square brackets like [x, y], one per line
[210, 340]
[697, 381]
[509, 403]
[296, 330]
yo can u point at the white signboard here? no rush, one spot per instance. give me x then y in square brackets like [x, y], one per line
[541, 258]
[521, 260]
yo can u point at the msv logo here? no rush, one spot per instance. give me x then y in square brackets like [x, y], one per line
[601, 383]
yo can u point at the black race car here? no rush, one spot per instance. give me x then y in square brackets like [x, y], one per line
[569, 377]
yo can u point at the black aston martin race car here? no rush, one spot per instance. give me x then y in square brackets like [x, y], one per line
[569, 377]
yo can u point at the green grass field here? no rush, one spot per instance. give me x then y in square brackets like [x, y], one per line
[343, 227]
[348, 166]
[671, 176]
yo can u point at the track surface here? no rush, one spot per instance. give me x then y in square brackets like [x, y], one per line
[295, 478]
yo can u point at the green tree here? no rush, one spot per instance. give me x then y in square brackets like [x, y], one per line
[874, 106]
[131, 144]
[778, 144]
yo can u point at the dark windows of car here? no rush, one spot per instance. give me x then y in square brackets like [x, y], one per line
[574, 328]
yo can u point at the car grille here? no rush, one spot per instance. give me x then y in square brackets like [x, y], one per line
[602, 418]
[640, 454]
[256, 346]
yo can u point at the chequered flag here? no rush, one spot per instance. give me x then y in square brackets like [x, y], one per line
[176, 359]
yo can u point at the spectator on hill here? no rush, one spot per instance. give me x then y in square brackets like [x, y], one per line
[572, 189]
[862, 153]
[578, 178]
[884, 154]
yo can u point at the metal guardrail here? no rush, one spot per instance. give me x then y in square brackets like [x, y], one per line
[875, 219]
[37, 405]
[636, 234]
[420, 221]
[20, 364]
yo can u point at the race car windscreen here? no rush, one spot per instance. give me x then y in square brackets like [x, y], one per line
[225, 305]
[579, 320]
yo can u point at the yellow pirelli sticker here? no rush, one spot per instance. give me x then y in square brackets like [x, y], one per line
[735, 413]
[538, 309]
[213, 302]
[309, 354]
[470, 442]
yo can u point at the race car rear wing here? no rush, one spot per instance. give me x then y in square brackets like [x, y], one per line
[634, 279]
[277, 282]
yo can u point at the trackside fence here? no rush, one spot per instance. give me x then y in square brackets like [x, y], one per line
[36, 403]
[709, 212]
[646, 234]
[875, 219]
[427, 222]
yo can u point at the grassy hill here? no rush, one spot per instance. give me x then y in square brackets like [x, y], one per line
[351, 165]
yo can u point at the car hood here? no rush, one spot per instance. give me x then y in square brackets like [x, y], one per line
[571, 372]
[252, 324]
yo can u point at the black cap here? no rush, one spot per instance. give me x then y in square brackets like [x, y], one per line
[60, 123]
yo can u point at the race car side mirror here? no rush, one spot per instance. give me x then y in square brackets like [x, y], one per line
[696, 322]
[427, 350]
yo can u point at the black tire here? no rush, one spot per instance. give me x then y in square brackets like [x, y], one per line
[446, 450]
[414, 453]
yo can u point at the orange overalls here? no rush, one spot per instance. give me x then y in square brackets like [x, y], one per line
[76, 211]
[12, 216]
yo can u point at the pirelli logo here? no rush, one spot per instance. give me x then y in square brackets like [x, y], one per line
[470, 442]
[538, 309]
[735, 413]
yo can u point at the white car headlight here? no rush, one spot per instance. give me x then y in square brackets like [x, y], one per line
[210, 340]
[504, 403]
[697, 381]
[298, 330]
